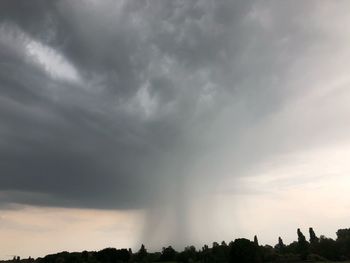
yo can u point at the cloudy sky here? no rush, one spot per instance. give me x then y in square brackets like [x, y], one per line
[171, 122]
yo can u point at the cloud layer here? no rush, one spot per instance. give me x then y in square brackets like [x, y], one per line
[147, 104]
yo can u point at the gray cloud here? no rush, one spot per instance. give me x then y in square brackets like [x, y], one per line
[162, 92]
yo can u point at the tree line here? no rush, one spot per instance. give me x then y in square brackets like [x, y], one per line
[241, 250]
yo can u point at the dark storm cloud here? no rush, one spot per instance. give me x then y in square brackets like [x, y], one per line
[160, 84]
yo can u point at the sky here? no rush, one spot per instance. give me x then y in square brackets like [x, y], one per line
[171, 122]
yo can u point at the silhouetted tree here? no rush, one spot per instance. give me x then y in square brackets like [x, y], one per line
[343, 234]
[280, 247]
[328, 248]
[205, 247]
[219, 253]
[141, 255]
[256, 240]
[188, 255]
[191, 250]
[244, 251]
[343, 242]
[268, 253]
[204, 256]
[85, 256]
[302, 245]
[168, 254]
[111, 255]
[313, 238]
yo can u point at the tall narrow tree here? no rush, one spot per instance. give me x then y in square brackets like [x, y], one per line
[313, 238]
[302, 245]
[256, 240]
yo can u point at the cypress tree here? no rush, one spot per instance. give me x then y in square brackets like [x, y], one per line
[302, 245]
[256, 240]
[313, 238]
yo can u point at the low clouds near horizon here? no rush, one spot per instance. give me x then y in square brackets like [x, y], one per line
[165, 106]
